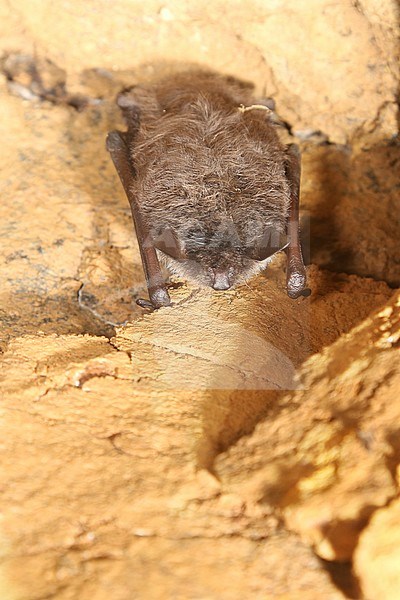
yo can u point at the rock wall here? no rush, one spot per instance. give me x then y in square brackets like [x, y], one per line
[235, 445]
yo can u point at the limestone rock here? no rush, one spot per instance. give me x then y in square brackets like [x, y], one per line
[377, 557]
[179, 454]
[101, 490]
[333, 67]
[326, 454]
[349, 198]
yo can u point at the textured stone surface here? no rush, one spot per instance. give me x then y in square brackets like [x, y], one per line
[378, 555]
[186, 457]
[326, 455]
[350, 201]
[64, 227]
[332, 66]
[85, 425]
[102, 493]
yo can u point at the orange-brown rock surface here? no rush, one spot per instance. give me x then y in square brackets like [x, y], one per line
[236, 445]
[377, 557]
[327, 455]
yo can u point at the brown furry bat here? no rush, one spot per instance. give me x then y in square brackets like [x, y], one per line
[212, 189]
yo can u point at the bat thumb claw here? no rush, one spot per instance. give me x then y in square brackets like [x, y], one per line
[158, 299]
[143, 303]
[296, 285]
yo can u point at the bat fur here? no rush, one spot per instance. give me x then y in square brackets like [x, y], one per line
[209, 176]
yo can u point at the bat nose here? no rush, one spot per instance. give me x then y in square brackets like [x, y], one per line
[221, 281]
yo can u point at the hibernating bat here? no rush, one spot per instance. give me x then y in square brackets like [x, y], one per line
[213, 191]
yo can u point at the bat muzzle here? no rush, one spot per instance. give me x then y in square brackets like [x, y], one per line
[221, 281]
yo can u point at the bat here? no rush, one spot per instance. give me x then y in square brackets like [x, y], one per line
[214, 194]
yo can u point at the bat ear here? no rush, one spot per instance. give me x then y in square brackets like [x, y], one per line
[167, 242]
[268, 244]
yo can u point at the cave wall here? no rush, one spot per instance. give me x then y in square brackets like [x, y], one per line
[239, 445]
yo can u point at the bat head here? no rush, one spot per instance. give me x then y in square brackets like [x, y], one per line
[221, 258]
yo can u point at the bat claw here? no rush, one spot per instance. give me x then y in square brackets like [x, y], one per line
[297, 293]
[143, 303]
[305, 293]
[158, 299]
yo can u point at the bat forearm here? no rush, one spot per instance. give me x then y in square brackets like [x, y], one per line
[159, 297]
